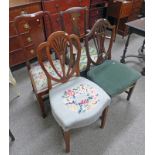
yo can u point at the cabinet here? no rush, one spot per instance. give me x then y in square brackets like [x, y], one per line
[97, 10]
[136, 9]
[55, 6]
[16, 54]
[123, 11]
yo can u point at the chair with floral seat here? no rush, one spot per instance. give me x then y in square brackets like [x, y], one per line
[36, 74]
[76, 101]
[110, 75]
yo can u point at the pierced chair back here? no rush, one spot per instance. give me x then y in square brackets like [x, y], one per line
[75, 20]
[26, 35]
[62, 45]
[100, 37]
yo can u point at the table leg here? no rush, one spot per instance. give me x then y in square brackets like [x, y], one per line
[143, 71]
[142, 49]
[125, 49]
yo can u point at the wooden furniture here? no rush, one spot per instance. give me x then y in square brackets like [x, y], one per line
[76, 102]
[138, 27]
[97, 10]
[136, 9]
[37, 76]
[119, 10]
[110, 75]
[71, 21]
[16, 55]
[55, 6]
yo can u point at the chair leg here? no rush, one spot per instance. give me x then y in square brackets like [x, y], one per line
[11, 135]
[41, 103]
[67, 140]
[103, 117]
[130, 92]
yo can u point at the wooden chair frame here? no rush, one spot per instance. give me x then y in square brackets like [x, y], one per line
[32, 17]
[98, 34]
[59, 41]
[74, 12]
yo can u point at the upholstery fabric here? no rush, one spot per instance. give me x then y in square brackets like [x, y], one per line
[77, 103]
[83, 59]
[39, 76]
[113, 76]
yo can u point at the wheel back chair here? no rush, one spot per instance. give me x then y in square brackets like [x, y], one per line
[75, 101]
[36, 74]
[112, 76]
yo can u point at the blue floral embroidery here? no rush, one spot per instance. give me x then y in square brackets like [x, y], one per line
[81, 98]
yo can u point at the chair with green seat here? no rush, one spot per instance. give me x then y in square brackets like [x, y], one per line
[110, 75]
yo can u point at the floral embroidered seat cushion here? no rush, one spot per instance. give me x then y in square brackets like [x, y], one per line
[77, 103]
[39, 76]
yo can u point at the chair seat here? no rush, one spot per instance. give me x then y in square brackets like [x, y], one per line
[39, 77]
[113, 76]
[77, 103]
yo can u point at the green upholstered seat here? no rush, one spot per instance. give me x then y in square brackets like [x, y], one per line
[113, 76]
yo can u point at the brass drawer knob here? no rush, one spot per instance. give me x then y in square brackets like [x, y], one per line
[23, 12]
[29, 39]
[26, 26]
[32, 51]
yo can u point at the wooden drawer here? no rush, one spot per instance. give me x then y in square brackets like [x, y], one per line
[34, 34]
[14, 43]
[137, 4]
[16, 57]
[13, 12]
[126, 10]
[12, 30]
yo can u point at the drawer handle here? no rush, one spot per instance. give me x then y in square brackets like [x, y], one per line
[23, 12]
[29, 39]
[26, 26]
[38, 20]
[32, 51]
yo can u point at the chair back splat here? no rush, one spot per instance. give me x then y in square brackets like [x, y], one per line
[61, 43]
[74, 17]
[101, 36]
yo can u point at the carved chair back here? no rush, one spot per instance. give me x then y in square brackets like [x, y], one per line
[26, 35]
[101, 36]
[75, 20]
[62, 45]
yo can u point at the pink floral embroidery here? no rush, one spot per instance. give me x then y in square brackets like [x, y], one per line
[81, 98]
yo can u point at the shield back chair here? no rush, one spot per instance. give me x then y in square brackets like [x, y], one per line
[110, 75]
[72, 23]
[75, 101]
[36, 74]
[75, 21]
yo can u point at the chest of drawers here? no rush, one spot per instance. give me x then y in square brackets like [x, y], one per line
[16, 54]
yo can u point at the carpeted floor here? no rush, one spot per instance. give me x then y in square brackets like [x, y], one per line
[124, 132]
